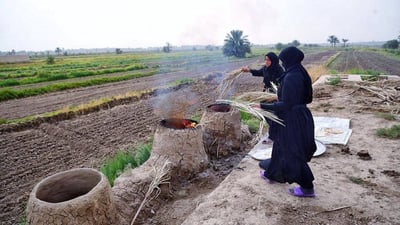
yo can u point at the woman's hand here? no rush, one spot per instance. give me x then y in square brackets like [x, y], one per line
[270, 99]
[245, 69]
[255, 105]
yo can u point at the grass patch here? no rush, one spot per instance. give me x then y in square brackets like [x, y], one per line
[196, 118]
[249, 120]
[387, 116]
[366, 75]
[22, 221]
[124, 160]
[369, 77]
[356, 180]
[333, 80]
[181, 82]
[392, 132]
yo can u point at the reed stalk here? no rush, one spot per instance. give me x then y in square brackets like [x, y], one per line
[161, 176]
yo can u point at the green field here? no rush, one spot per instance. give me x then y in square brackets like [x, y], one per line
[19, 80]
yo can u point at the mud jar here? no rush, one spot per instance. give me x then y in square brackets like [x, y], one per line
[221, 129]
[76, 196]
[181, 140]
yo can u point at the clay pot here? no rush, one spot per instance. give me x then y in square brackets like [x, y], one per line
[77, 196]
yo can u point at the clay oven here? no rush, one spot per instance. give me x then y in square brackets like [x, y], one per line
[77, 196]
[180, 141]
[221, 129]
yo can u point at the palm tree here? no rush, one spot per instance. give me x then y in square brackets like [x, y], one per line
[236, 44]
[167, 48]
[333, 40]
[58, 50]
[344, 42]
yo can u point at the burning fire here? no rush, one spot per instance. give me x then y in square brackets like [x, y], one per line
[176, 123]
[189, 124]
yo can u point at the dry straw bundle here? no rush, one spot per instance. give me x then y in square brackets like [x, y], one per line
[256, 96]
[258, 113]
[246, 101]
[227, 83]
[161, 176]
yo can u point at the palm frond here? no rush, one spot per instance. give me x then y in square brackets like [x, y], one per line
[258, 113]
[256, 96]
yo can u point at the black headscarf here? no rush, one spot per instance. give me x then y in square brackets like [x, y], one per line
[274, 70]
[291, 58]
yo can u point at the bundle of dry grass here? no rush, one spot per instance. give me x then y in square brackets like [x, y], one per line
[258, 113]
[257, 96]
[227, 83]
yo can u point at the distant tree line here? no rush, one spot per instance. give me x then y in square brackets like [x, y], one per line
[391, 44]
[333, 40]
[281, 46]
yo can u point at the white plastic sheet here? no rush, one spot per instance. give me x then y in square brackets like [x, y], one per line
[332, 130]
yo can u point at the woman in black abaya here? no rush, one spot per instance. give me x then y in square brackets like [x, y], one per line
[270, 72]
[294, 143]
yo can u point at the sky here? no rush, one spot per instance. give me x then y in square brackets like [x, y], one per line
[40, 25]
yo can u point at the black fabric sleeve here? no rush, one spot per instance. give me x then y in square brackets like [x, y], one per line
[257, 73]
[290, 93]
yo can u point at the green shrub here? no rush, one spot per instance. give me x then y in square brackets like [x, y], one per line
[356, 180]
[143, 153]
[392, 133]
[249, 120]
[123, 160]
[114, 167]
[9, 82]
[334, 80]
[50, 59]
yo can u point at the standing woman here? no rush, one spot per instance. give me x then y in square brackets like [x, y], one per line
[294, 143]
[271, 71]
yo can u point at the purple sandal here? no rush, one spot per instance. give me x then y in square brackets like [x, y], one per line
[298, 192]
[264, 177]
[267, 141]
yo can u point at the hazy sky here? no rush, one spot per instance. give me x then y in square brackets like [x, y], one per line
[47, 24]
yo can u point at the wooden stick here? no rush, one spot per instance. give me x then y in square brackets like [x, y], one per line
[332, 210]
